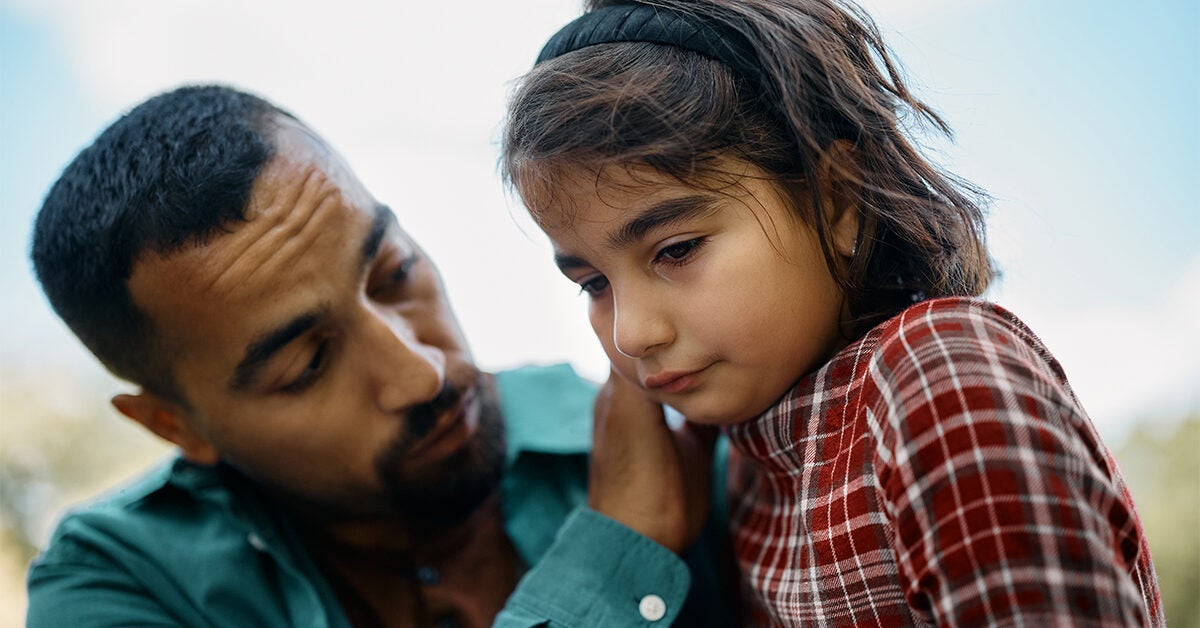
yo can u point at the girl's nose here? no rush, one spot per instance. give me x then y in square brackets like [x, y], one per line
[640, 324]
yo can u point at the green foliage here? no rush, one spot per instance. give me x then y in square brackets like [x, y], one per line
[1161, 462]
[59, 440]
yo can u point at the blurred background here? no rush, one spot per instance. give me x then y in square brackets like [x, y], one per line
[1081, 117]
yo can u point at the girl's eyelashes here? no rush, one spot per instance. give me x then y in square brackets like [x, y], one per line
[310, 374]
[675, 254]
[594, 286]
[679, 253]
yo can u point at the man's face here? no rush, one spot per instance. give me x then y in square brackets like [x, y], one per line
[317, 352]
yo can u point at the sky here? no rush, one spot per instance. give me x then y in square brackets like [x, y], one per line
[1078, 116]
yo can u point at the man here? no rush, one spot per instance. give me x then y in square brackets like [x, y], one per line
[342, 462]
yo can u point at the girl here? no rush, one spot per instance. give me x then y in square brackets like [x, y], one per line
[765, 250]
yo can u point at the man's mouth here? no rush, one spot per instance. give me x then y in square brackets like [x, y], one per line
[453, 428]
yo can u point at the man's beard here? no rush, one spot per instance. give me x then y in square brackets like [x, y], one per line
[456, 486]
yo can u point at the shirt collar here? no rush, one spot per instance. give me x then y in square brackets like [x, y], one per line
[547, 409]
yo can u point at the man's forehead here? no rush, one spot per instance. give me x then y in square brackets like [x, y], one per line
[299, 148]
[303, 164]
[302, 239]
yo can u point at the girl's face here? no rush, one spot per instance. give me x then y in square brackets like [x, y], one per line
[715, 302]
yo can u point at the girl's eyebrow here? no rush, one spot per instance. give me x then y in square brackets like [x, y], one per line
[569, 262]
[658, 215]
[661, 214]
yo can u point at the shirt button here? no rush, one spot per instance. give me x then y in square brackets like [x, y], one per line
[652, 608]
[256, 542]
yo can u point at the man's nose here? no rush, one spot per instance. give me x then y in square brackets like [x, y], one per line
[640, 322]
[404, 370]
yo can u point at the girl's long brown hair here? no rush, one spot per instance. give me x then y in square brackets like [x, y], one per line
[829, 82]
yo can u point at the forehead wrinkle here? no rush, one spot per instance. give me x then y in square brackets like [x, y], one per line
[302, 205]
[287, 239]
[290, 244]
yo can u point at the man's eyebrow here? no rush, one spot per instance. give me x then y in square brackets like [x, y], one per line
[380, 222]
[263, 348]
[259, 352]
[661, 214]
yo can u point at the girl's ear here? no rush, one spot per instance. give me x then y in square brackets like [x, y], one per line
[170, 422]
[842, 186]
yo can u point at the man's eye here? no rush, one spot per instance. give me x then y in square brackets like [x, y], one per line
[594, 286]
[309, 375]
[680, 252]
[397, 278]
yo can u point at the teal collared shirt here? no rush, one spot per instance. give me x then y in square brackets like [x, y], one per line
[197, 546]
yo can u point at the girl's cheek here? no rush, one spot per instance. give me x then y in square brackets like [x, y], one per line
[602, 324]
[600, 316]
[623, 365]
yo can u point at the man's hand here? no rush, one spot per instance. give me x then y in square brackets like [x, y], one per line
[644, 474]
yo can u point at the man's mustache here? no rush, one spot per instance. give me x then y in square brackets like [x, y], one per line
[422, 418]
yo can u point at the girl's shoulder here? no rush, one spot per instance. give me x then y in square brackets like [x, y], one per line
[949, 318]
[957, 333]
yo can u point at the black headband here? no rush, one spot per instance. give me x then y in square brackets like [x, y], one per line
[645, 23]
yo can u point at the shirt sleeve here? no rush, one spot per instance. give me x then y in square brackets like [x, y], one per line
[86, 590]
[1006, 507]
[599, 572]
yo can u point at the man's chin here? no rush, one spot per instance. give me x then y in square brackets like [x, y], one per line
[445, 507]
[449, 490]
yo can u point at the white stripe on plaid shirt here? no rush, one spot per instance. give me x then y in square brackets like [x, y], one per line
[939, 471]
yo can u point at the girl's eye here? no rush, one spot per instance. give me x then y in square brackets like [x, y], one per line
[680, 252]
[594, 286]
[309, 375]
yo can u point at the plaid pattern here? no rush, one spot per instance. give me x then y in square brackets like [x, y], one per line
[938, 471]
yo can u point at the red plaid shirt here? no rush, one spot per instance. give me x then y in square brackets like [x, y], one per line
[939, 471]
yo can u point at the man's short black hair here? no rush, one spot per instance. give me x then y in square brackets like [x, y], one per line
[173, 171]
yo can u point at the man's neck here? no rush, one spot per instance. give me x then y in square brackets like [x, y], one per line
[400, 573]
[397, 535]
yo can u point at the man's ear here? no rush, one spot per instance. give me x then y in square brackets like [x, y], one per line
[170, 422]
[842, 189]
